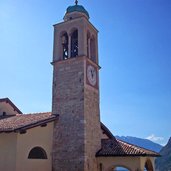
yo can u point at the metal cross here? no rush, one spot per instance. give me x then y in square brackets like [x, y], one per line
[76, 2]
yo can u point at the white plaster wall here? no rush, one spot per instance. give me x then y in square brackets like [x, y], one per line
[39, 136]
[8, 151]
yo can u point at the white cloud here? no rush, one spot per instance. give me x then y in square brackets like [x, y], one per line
[154, 138]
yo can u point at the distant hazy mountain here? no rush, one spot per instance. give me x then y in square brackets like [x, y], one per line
[141, 142]
[163, 163]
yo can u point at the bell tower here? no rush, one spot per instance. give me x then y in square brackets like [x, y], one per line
[76, 92]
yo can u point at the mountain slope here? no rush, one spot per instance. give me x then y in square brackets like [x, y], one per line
[141, 142]
[163, 163]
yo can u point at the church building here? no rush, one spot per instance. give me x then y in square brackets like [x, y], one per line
[71, 137]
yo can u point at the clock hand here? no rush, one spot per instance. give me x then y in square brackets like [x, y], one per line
[92, 73]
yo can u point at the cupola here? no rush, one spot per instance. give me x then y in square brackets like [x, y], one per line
[76, 11]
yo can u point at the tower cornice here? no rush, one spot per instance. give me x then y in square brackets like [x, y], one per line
[76, 59]
[77, 19]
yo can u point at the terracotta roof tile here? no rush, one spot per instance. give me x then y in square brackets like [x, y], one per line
[114, 147]
[25, 121]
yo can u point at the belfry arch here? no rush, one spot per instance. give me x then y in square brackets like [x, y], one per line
[92, 46]
[74, 43]
[93, 49]
[64, 40]
[88, 44]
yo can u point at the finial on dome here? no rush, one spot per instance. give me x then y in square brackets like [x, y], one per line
[76, 2]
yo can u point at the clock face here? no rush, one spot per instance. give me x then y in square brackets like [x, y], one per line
[91, 75]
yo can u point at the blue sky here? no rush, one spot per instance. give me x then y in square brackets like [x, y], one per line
[134, 53]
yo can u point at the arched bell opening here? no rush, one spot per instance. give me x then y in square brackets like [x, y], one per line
[74, 43]
[148, 166]
[88, 44]
[65, 54]
[93, 49]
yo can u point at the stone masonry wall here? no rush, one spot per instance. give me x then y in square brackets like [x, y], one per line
[92, 131]
[77, 132]
[68, 102]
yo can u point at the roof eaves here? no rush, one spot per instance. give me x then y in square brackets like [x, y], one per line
[32, 125]
[128, 155]
[140, 148]
[39, 123]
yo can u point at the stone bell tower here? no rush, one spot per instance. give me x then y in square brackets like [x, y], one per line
[76, 92]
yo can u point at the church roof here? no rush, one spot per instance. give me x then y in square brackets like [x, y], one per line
[22, 122]
[115, 148]
[110, 147]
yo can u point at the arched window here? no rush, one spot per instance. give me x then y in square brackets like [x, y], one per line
[65, 46]
[74, 44]
[37, 153]
[93, 49]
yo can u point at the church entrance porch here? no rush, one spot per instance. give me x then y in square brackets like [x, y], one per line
[126, 163]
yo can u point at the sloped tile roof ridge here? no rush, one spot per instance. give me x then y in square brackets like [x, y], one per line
[142, 149]
[115, 148]
[26, 121]
[36, 113]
